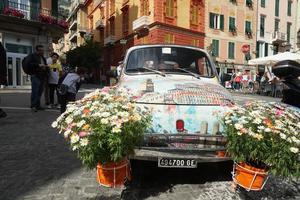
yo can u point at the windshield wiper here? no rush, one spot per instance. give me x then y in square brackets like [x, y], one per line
[189, 72]
[153, 70]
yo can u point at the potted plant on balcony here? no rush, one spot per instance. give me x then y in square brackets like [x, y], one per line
[13, 12]
[104, 128]
[47, 19]
[263, 138]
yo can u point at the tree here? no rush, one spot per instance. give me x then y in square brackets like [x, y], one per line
[87, 55]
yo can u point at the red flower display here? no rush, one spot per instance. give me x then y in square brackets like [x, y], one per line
[13, 12]
[47, 19]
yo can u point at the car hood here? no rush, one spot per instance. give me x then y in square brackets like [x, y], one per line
[176, 89]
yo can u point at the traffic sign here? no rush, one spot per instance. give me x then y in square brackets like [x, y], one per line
[245, 48]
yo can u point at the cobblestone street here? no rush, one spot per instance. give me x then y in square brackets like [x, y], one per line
[35, 163]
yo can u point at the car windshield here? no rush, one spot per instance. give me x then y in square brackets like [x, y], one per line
[177, 60]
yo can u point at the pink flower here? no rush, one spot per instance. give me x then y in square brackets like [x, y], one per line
[83, 134]
[105, 89]
[278, 112]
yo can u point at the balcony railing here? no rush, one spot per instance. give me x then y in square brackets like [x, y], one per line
[279, 37]
[30, 12]
[141, 22]
[100, 24]
[109, 40]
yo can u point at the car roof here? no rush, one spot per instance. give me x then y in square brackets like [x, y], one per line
[140, 46]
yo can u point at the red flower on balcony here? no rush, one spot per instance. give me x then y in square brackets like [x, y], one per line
[62, 23]
[47, 19]
[13, 12]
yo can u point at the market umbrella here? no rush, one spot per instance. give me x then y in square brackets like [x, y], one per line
[275, 58]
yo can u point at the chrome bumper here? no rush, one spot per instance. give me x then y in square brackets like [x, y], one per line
[200, 147]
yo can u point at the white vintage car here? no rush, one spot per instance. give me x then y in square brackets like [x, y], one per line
[181, 85]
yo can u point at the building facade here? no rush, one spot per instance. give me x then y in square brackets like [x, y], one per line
[276, 26]
[230, 32]
[120, 24]
[134, 22]
[23, 25]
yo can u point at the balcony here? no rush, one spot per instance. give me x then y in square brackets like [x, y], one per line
[140, 23]
[100, 24]
[73, 36]
[14, 15]
[109, 40]
[73, 25]
[278, 37]
[76, 3]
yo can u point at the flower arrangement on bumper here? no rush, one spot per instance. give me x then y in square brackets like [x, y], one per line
[265, 136]
[104, 127]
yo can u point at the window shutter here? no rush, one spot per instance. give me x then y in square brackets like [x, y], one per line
[222, 22]
[211, 20]
[217, 49]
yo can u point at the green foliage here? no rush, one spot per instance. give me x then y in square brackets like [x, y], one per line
[265, 133]
[87, 55]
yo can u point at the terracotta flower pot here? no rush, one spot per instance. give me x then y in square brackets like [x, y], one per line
[249, 177]
[113, 174]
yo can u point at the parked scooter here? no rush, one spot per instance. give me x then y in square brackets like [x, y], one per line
[289, 72]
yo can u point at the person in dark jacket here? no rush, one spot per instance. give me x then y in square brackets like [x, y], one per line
[38, 63]
[3, 72]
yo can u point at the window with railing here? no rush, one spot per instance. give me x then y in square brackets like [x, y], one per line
[231, 50]
[232, 27]
[289, 8]
[248, 29]
[169, 8]
[288, 32]
[169, 38]
[195, 42]
[112, 6]
[216, 21]
[112, 26]
[262, 26]
[215, 48]
[276, 25]
[249, 3]
[144, 10]
[194, 13]
[277, 8]
[125, 21]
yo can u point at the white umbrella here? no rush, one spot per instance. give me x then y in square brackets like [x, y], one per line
[275, 58]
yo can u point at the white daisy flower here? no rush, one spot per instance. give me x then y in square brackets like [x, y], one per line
[294, 149]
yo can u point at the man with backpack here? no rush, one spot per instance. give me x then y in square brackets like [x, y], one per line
[35, 65]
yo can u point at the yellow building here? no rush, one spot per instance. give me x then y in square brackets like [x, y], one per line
[230, 28]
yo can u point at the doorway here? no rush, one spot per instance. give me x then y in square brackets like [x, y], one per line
[16, 77]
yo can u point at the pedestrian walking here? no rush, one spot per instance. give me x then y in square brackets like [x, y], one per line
[69, 87]
[36, 66]
[237, 80]
[55, 71]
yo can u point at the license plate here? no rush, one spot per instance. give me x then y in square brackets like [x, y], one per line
[177, 163]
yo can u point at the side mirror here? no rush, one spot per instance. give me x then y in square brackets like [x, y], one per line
[112, 73]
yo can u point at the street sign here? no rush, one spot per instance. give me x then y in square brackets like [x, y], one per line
[245, 48]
